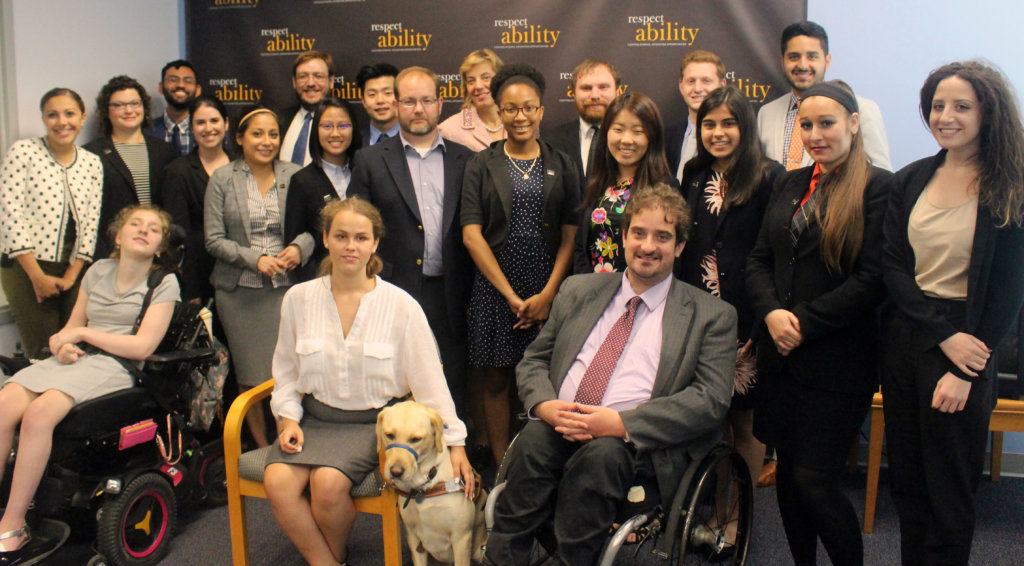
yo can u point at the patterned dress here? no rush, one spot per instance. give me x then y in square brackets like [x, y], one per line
[604, 229]
[527, 266]
[705, 227]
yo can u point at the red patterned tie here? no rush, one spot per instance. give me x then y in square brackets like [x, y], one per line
[595, 380]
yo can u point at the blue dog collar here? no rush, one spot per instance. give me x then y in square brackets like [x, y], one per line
[415, 454]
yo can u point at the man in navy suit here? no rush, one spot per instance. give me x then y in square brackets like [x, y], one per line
[312, 79]
[180, 86]
[415, 179]
[700, 73]
[594, 85]
[377, 84]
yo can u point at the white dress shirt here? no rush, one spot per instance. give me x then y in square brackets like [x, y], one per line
[291, 137]
[388, 353]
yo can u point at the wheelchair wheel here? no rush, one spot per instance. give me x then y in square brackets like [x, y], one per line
[720, 502]
[135, 528]
[215, 481]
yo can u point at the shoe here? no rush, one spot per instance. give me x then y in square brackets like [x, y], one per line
[767, 477]
[20, 554]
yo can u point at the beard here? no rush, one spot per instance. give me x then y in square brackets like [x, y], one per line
[183, 105]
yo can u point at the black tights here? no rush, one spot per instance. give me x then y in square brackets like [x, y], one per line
[812, 506]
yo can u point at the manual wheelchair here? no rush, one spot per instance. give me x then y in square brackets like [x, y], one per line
[128, 458]
[715, 494]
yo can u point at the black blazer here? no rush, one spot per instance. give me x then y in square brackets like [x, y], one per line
[566, 137]
[380, 174]
[735, 235]
[995, 276]
[284, 119]
[185, 181]
[308, 192]
[118, 186]
[836, 310]
[674, 145]
[487, 195]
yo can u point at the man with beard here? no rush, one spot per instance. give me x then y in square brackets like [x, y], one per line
[376, 82]
[312, 79]
[415, 179]
[805, 58]
[594, 84]
[180, 87]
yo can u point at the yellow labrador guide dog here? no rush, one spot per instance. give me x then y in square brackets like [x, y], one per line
[438, 517]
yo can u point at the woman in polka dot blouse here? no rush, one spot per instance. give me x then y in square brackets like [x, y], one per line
[50, 193]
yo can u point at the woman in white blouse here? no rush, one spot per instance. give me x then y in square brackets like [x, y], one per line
[349, 344]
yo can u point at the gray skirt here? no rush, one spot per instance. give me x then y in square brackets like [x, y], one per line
[250, 318]
[335, 438]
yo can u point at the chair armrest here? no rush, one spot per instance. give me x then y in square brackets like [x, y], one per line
[236, 418]
[196, 354]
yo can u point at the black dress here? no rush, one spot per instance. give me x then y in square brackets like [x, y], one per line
[526, 264]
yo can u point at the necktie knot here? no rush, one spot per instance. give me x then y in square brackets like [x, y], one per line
[632, 305]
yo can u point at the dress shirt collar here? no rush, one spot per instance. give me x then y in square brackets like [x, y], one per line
[438, 142]
[585, 129]
[652, 298]
[375, 133]
[169, 123]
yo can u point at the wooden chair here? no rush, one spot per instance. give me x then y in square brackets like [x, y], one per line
[245, 479]
[1008, 416]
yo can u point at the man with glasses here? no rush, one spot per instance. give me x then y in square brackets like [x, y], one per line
[179, 85]
[415, 179]
[312, 79]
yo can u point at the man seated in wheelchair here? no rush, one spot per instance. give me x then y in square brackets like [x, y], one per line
[629, 379]
[103, 323]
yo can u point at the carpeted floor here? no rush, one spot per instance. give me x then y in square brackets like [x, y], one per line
[203, 535]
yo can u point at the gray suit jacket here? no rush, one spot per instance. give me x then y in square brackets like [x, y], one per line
[226, 218]
[771, 123]
[693, 388]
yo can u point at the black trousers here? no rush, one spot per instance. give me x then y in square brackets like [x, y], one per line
[454, 353]
[582, 485]
[935, 459]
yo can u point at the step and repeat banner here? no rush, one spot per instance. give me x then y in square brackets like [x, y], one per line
[243, 50]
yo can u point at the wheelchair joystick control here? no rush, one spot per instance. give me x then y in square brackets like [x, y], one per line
[113, 486]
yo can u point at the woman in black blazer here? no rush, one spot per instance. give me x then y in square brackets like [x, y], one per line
[727, 187]
[133, 163]
[814, 278]
[185, 181]
[518, 218]
[325, 179]
[954, 266]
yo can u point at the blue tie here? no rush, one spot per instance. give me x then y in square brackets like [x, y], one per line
[299, 153]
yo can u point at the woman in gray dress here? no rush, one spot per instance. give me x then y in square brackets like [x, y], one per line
[104, 315]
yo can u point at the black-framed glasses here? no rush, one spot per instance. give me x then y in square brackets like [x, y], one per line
[512, 111]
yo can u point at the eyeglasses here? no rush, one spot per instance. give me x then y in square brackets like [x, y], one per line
[512, 111]
[175, 79]
[318, 77]
[120, 106]
[410, 103]
[328, 127]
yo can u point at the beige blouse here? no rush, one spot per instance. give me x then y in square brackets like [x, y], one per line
[942, 239]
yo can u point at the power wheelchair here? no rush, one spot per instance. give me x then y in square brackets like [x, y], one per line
[128, 458]
[716, 493]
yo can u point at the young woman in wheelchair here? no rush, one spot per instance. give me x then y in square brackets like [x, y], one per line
[348, 345]
[83, 366]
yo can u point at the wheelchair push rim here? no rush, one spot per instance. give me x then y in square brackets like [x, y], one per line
[711, 508]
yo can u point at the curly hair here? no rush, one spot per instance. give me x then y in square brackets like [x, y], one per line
[117, 84]
[517, 73]
[1001, 152]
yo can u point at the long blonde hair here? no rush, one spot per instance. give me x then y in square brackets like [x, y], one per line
[361, 207]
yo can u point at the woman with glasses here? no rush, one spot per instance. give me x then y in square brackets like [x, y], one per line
[133, 163]
[335, 142]
[478, 124]
[519, 200]
[49, 207]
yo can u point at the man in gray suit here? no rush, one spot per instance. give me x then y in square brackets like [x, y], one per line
[805, 58]
[628, 381]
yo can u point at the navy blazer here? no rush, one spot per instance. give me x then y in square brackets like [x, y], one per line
[309, 191]
[736, 233]
[380, 174]
[674, 135]
[995, 276]
[118, 185]
[836, 310]
[487, 195]
[566, 137]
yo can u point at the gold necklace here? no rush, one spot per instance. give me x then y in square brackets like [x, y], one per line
[526, 173]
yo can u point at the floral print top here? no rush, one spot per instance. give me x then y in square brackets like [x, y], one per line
[604, 235]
